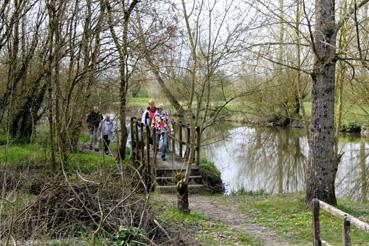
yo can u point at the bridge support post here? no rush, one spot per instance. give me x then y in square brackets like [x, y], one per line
[346, 231]
[137, 145]
[142, 146]
[198, 140]
[133, 155]
[173, 140]
[180, 140]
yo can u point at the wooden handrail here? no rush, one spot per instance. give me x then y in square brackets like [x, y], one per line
[336, 212]
[347, 220]
[141, 145]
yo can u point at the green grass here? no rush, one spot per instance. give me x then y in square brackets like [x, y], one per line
[140, 102]
[203, 229]
[289, 216]
[21, 156]
[38, 153]
[84, 137]
[89, 162]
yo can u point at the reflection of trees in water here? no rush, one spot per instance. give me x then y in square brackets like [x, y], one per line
[274, 160]
[364, 176]
[278, 163]
[352, 178]
[268, 159]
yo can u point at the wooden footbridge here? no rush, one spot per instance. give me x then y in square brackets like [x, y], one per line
[146, 156]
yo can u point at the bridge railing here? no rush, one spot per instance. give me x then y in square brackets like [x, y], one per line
[181, 139]
[347, 220]
[143, 141]
[140, 146]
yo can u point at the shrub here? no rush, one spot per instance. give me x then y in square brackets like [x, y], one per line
[351, 127]
[211, 176]
[130, 236]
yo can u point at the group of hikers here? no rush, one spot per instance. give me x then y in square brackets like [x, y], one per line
[154, 117]
[97, 124]
[157, 118]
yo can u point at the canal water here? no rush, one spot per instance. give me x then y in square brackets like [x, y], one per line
[274, 160]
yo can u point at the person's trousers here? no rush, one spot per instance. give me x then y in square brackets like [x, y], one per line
[106, 143]
[94, 133]
[164, 137]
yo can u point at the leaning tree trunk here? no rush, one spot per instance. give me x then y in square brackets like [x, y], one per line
[320, 176]
[182, 193]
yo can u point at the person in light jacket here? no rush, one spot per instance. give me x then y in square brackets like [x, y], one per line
[107, 128]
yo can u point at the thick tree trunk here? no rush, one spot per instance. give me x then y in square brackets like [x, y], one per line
[320, 176]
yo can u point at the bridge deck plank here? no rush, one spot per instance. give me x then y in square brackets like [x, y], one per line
[171, 163]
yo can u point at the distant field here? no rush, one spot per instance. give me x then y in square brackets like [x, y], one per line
[351, 113]
[138, 102]
[143, 102]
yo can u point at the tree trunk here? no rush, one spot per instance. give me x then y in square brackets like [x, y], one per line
[123, 128]
[182, 194]
[320, 176]
[24, 120]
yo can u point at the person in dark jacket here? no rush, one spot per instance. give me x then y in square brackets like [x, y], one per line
[93, 121]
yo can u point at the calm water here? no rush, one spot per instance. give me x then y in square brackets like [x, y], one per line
[274, 160]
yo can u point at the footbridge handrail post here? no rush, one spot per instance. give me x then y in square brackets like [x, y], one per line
[180, 139]
[154, 140]
[142, 145]
[133, 157]
[148, 149]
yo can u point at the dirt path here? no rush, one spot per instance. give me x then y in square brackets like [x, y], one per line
[216, 209]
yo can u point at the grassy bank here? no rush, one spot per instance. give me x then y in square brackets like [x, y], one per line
[289, 216]
[20, 156]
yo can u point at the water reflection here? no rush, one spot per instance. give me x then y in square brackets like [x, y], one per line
[274, 160]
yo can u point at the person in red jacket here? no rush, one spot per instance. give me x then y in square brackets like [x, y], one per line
[149, 113]
[163, 125]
